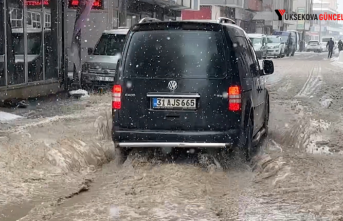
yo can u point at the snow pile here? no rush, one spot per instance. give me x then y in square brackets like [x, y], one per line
[340, 59]
[8, 117]
[326, 101]
[79, 93]
[317, 143]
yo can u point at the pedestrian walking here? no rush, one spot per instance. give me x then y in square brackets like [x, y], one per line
[330, 46]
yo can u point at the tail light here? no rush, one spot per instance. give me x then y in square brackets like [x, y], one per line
[235, 98]
[116, 97]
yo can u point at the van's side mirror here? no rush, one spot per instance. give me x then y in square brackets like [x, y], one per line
[90, 51]
[268, 67]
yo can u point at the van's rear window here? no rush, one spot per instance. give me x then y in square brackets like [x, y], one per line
[176, 54]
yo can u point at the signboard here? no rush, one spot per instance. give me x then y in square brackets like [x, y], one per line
[97, 4]
[36, 2]
[301, 23]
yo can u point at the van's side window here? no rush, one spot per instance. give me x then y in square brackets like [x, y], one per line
[254, 65]
[244, 60]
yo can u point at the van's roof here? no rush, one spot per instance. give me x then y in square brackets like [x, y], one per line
[157, 23]
[120, 31]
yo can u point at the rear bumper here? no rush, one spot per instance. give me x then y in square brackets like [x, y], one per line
[313, 49]
[180, 139]
[273, 52]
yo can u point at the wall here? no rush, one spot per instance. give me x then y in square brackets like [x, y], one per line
[205, 13]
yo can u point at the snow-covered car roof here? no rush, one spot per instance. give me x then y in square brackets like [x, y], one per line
[253, 35]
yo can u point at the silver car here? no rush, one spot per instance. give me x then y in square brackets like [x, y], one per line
[259, 42]
[100, 69]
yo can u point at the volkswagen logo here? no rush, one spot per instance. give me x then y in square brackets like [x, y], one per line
[172, 85]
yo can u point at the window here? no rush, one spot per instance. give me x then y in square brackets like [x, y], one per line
[36, 20]
[33, 43]
[16, 17]
[250, 57]
[110, 44]
[241, 48]
[274, 40]
[176, 54]
[47, 20]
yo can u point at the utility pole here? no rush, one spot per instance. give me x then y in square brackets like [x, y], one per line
[320, 21]
[123, 13]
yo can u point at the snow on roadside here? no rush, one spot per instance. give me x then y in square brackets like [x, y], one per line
[338, 61]
[317, 142]
[79, 92]
[4, 116]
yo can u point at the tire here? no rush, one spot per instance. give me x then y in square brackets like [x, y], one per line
[266, 118]
[120, 155]
[245, 144]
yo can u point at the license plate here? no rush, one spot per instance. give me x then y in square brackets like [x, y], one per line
[173, 103]
[99, 78]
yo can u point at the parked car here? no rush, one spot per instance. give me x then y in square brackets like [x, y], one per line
[314, 46]
[290, 39]
[276, 48]
[259, 42]
[100, 69]
[189, 84]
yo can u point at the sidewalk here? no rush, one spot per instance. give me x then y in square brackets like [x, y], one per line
[49, 106]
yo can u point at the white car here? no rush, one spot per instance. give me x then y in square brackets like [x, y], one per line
[314, 46]
[275, 46]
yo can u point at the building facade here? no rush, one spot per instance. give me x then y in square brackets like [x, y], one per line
[241, 11]
[36, 35]
[321, 29]
[30, 47]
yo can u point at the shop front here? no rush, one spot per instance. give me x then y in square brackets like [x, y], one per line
[31, 53]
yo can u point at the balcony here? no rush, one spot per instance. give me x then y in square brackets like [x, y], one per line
[172, 4]
[226, 3]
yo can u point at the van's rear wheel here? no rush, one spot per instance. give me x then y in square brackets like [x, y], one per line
[120, 155]
[245, 144]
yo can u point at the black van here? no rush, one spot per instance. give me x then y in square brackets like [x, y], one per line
[189, 84]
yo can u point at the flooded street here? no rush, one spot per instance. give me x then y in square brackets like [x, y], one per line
[60, 168]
